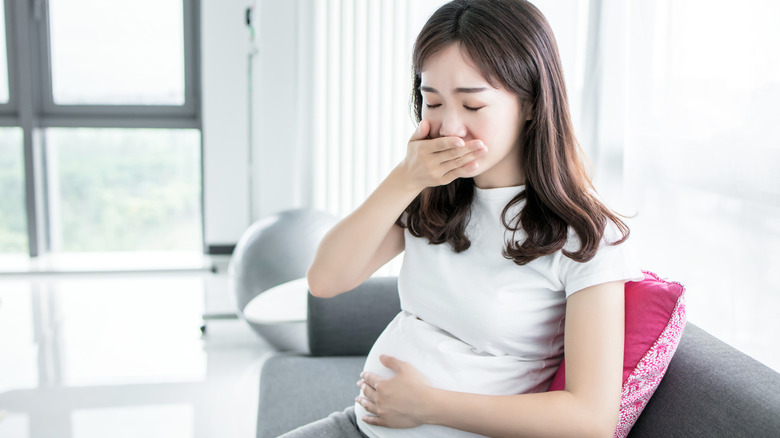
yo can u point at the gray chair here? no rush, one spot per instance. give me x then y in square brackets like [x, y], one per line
[274, 250]
[709, 390]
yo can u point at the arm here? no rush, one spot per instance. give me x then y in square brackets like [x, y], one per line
[587, 407]
[361, 242]
[368, 238]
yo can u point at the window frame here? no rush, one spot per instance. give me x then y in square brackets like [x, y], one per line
[9, 110]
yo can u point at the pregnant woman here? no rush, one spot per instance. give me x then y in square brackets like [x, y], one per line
[511, 260]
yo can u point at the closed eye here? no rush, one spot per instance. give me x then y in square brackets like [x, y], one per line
[429, 106]
[473, 109]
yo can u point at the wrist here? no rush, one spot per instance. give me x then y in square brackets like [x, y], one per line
[402, 179]
[433, 400]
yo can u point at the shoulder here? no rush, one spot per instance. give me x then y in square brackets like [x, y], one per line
[612, 262]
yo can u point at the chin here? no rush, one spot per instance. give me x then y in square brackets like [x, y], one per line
[483, 166]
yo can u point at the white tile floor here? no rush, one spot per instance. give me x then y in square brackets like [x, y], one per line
[123, 356]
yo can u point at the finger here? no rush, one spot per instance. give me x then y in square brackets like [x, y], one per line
[476, 144]
[369, 392]
[463, 159]
[441, 144]
[422, 131]
[468, 170]
[361, 383]
[457, 152]
[391, 362]
[373, 420]
[367, 404]
[370, 379]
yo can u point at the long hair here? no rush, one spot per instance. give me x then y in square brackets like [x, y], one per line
[513, 46]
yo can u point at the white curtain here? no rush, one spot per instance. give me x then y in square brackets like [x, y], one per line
[361, 117]
[688, 138]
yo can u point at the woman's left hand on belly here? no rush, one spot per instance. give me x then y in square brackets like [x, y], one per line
[398, 402]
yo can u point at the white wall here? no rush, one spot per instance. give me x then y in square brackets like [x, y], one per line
[281, 101]
[243, 185]
[224, 60]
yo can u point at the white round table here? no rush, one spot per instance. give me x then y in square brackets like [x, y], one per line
[279, 315]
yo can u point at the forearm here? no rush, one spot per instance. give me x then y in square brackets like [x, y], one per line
[555, 413]
[349, 248]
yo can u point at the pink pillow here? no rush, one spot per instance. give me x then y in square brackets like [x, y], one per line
[655, 318]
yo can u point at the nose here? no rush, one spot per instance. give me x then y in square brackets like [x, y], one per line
[452, 125]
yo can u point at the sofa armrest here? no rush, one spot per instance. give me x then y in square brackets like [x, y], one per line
[712, 390]
[349, 324]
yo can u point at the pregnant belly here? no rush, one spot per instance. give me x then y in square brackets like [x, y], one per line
[449, 364]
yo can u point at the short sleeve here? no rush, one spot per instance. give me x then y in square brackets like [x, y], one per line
[611, 263]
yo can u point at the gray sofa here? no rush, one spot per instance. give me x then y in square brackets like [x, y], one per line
[709, 390]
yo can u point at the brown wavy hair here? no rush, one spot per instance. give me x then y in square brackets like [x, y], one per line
[513, 46]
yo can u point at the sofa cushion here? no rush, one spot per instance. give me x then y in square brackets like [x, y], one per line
[655, 318]
[296, 390]
[349, 324]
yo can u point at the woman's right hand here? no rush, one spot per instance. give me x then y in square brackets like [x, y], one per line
[434, 162]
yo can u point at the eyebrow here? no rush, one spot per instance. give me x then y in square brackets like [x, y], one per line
[457, 90]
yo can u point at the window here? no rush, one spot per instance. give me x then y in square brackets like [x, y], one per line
[123, 189]
[102, 127]
[136, 60]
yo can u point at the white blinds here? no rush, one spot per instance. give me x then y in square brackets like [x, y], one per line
[361, 119]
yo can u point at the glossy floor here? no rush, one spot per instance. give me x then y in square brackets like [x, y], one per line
[118, 356]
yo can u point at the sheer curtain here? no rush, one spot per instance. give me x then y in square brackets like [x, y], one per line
[688, 139]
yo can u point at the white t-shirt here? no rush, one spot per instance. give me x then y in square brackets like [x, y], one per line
[475, 321]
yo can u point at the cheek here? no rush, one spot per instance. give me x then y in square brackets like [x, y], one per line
[503, 128]
[498, 133]
[485, 129]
